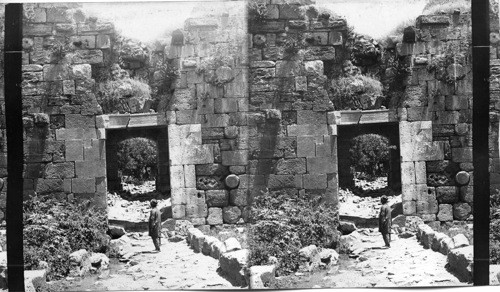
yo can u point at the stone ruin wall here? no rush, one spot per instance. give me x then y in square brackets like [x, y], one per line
[494, 102]
[264, 115]
[436, 119]
[208, 121]
[64, 149]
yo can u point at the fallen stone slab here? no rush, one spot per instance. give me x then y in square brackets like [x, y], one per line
[420, 230]
[197, 242]
[262, 277]
[34, 280]
[308, 252]
[460, 240]
[191, 233]
[445, 245]
[349, 243]
[460, 263]
[116, 231]
[207, 245]
[182, 226]
[427, 236]
[232, 244]
[233, 265]
[217, 248]
[346, 227]
[436, 241]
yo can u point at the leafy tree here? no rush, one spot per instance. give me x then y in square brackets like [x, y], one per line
[370, 154]
[137, 157]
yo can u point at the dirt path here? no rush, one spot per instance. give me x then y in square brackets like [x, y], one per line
[405, 264]
[175, 267]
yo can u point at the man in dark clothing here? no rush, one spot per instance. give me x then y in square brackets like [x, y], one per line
[384, 221]
[155, 225]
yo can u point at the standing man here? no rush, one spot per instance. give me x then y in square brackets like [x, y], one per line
[155, 224]
[384, 221]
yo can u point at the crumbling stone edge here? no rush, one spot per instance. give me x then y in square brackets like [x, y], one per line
[233, 260]
[459, 252]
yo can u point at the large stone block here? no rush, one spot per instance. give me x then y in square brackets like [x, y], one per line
[212, 169]
[461, 154]
[309, 117]
[238, 197]
[182, 135]
[445, 212]
[87, 57]
[447, 194]
[291, 166]
[234, 264]
[436, 241]
[461, 211]
[214, 216]
[261, 277]
[192, 154]
[285, 181]
[321, 165]
[189, 176]
[225, 105]
[89, 169]
[409, 208]
[196, 211]
[178, 211]
[307, 130]
[314, 181]
[239, 157]
[217, 198]
[460, 261]
[231, 214]
[82, 71]
[408, 173]
[54, 72]
[48, 186]
[177, 176]
[83, 185]
[60, 170]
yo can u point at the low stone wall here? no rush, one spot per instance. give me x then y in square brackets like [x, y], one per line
[457, 249]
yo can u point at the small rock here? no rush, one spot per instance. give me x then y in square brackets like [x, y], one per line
[232, 244]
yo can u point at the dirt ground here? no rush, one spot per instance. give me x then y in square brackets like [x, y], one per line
[175, 267]
[405, 264]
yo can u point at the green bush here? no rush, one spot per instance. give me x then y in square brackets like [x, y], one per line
[54, 228]
[284, 222]
[137, 157]
[495, 228]
[370, 154]
[348, 91]
[125, 95]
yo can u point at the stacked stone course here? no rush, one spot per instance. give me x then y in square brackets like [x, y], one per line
[64, 151]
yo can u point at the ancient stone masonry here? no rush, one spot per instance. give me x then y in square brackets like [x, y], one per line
[494, 102]
[208, 132]
[252, 109]
[292, 133]
[436, 119]
[3, 134]
[64, 151]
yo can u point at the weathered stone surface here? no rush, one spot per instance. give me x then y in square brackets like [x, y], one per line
[436, 241]
[207, 245]
[60, 170]
[460, 261]
[116, 231]
[262, 277]
[238, 197]
[460, 240]
[447, 194]
[427, 236]
[346, 227]
[178, 211]
[233, 264]
[217, 198]
[461, 211]
[322, 165]
[214, 216]
[231, 214]
[446, 245]
[232, 181]
[239, 157]
[232, 244]
[212, 169]
[291, 166]
[315, 181]
[217, 249]
[445, 212]
[209, 183]
[349, 243]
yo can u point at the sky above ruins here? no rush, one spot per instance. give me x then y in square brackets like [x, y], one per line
[147, 21]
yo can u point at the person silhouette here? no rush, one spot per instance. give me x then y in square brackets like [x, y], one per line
[384, 221]
[154, 225]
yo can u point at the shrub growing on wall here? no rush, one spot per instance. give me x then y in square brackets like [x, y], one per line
[356, 92]
[285, 222]
[137, 158]
[370, 154]
[53, 229]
